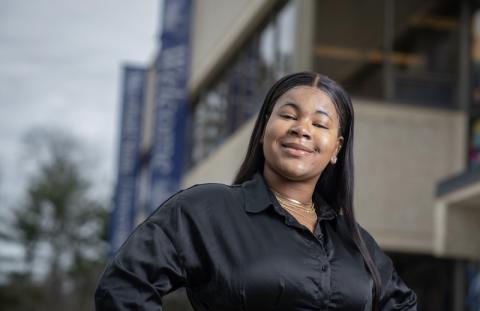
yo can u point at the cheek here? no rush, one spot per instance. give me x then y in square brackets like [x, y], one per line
[268, 143]
[270, 134]
[327, 143]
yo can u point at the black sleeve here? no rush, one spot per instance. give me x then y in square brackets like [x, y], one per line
[396, 296]
[147, 266]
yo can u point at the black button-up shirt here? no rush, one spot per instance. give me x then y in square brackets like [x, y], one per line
[236, 248]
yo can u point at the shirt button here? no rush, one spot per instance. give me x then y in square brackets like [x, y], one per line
[324, 268]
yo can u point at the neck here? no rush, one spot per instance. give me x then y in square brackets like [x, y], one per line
[299, 190]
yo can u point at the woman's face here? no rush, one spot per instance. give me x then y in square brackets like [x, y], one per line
[302, 135]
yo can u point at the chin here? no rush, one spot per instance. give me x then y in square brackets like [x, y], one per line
[298, 175]
[293, 171]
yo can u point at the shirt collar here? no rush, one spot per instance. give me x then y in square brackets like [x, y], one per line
[257, 194]
[259, 197]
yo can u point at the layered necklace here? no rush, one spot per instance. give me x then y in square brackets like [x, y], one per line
[295, 206]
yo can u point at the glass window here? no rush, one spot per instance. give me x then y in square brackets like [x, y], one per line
[349, 43]
[475, 59]
[474, 122]
[237, 94]
[400, 50]
[425, 51]
[474, 144]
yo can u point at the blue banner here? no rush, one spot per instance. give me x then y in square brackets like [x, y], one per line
[173, 63]
[125, 194]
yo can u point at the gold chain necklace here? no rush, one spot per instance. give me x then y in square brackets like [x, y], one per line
[308, 216]
[294, 205]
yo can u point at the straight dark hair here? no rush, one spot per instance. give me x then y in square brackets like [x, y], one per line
[335, 185]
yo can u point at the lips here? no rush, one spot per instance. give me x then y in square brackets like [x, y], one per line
[296, 149]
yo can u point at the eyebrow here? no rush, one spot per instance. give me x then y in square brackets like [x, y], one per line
[297, 107]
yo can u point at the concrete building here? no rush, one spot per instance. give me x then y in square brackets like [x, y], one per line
[410, 67]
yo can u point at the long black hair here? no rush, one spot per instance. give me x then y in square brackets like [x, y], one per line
[335, 185]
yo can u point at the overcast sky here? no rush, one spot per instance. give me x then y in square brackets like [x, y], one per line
[60, 66]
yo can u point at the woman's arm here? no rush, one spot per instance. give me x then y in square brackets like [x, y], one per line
[148, 265]
[396, 295]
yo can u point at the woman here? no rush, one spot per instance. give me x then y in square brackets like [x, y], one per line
[284, 237]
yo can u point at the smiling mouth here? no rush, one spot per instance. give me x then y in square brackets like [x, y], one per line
[296, 149]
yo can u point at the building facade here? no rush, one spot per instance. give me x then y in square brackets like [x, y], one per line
[412, 69]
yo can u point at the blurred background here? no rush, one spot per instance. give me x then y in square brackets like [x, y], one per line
[109, 108]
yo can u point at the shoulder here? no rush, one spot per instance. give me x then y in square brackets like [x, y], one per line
[370, 242]
[382, 261]
[207, 192]
[198, 199]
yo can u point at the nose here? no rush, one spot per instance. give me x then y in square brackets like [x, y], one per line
[300, 131]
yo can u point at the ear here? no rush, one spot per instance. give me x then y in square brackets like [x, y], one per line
[338, 146]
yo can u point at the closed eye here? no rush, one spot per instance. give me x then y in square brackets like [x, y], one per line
[288, 116]
[320, 126]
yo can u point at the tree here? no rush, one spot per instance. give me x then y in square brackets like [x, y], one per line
[61, 227]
